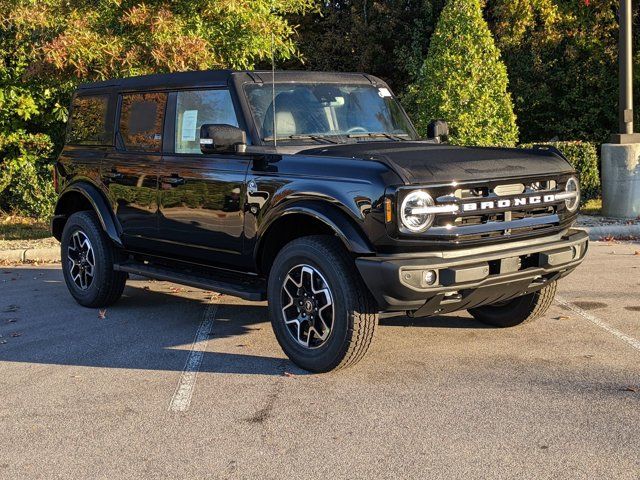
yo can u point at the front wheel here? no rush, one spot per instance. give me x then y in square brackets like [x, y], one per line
[517, 311]
[322, 314]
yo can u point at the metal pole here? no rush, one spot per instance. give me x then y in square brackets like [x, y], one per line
[626, 68]
[625, 133]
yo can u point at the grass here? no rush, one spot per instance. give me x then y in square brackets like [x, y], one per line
[592, 207]
[15, 227]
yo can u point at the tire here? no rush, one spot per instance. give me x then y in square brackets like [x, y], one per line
[518, 311]
[105, 286]
[320, 267]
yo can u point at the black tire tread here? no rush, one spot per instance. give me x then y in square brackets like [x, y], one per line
[364, 310]
[531, 307]
[545, 298]
[113, 284]
[365, 316]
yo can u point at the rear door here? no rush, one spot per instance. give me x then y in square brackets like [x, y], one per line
[131, 171]
[202, 197]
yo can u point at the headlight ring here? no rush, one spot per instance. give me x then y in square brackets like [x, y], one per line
[412, 212]
[572, 190]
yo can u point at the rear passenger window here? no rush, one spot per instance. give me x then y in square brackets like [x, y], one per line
[194, 109]
[89, 124]
[141, 121]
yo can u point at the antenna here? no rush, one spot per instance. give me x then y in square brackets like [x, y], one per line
[273, 84]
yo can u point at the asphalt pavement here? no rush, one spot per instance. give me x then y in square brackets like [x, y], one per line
[174, 382]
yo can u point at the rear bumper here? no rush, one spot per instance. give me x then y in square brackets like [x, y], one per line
[469, 278]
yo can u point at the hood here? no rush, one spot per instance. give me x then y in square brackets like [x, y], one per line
[425, 162]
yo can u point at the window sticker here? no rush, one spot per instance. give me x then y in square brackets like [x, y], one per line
[189, 125]
[384, 92]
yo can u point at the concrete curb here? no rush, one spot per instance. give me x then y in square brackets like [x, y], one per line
[50, 254]
[623, 232]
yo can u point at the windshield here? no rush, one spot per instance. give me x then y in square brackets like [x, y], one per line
[327, 112]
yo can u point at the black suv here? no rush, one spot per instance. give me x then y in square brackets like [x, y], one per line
[313, 191]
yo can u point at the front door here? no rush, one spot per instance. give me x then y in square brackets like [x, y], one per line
[131, 172]
[202, 197]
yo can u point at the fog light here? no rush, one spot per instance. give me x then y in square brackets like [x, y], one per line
[429, 277]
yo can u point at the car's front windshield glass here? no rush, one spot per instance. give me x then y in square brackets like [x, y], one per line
[327, 112]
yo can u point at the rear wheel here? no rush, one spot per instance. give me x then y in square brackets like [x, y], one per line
[88, 257]
[517, 311]
[322, 314]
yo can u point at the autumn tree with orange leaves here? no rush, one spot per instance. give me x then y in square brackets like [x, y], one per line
[48, 46]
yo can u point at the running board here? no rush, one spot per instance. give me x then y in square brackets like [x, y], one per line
[254, 290]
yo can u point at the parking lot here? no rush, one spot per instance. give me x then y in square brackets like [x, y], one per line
[174, 382]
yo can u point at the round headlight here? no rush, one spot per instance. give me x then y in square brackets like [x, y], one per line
[411, 212]
[572, 186]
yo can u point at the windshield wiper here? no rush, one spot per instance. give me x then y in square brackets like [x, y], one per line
[317, 138]
[400, 136]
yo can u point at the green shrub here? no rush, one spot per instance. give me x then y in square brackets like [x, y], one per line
[464, 81]
[25, 174]
[584, 158]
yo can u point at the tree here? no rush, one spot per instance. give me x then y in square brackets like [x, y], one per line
[48, 46]
[386, 38]
[562, 61]
[464, 81]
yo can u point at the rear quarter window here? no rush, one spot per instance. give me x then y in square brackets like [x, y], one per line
[142, 120]
[89, 123]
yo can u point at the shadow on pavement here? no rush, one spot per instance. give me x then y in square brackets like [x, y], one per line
[448, 321]
[146, 330]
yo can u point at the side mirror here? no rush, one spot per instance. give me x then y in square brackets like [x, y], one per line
[438, 130]
[222, 138]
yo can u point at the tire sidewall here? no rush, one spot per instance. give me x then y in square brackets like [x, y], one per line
[84, 223]
[328, 355]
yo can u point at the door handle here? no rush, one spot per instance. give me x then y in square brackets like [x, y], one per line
[113, 175]
[173, 180]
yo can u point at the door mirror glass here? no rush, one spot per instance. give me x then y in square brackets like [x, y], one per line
[222, 138]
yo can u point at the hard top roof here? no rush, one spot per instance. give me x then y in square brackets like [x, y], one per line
[222, 77]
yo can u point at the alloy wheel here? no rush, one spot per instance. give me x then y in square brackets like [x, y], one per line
[308, 308]
[81, 260]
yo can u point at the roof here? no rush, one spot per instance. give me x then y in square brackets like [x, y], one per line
[222, 77]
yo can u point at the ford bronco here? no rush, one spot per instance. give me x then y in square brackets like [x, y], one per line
[312, 191]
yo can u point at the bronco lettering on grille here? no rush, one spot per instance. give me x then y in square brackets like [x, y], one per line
[506, 203]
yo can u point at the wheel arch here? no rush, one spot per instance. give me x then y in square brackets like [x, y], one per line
[308, 218]
[83, 196]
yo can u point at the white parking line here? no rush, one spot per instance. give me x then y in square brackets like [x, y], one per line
[184, 391]
[600, 323]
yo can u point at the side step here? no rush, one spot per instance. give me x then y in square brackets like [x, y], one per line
[254, 290]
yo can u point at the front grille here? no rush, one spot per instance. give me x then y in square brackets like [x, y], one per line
[485, 223]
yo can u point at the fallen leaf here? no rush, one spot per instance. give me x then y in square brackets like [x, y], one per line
[637, 252]
[287, 374]
[102, 314]
[241, 345]
[629, 389]
[563, 317]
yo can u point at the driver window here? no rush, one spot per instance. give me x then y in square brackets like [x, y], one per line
[196, 108]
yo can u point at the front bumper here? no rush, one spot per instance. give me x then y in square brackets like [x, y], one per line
[470, 277]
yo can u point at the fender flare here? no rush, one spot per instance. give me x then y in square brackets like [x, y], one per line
[100, 206]
[344, 227]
